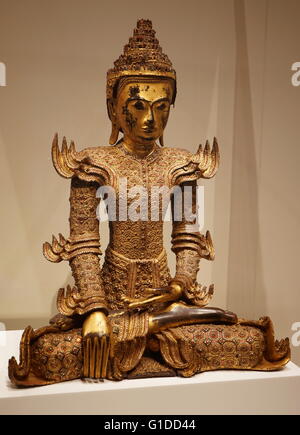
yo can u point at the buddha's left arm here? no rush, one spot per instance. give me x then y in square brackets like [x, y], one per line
[188, 244]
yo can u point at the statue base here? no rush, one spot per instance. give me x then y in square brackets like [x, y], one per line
[52, 354]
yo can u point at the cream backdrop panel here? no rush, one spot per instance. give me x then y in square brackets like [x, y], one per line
[233, 61]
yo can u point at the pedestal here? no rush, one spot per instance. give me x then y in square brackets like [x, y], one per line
[218, 392]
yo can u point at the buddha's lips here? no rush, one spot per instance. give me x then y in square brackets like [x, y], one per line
[148, 129]
[149, 138]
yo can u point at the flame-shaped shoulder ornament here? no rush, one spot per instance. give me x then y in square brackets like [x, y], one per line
[203, 164]
[69, 163]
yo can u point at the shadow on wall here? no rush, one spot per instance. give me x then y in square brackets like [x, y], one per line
[36, 322]
[17, 323]
[244, 262]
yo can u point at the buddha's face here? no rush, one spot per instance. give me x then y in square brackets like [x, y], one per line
[142, 109]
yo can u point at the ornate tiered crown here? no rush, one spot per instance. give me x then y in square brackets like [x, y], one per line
[142, 56]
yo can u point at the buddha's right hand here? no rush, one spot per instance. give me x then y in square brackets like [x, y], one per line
[96, 344]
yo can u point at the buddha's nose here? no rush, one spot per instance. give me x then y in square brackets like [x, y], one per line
[149, 120]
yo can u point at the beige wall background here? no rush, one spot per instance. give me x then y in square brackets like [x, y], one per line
[233, 59]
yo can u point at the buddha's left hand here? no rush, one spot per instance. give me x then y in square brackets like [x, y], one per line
[172, 292]
[96, 344]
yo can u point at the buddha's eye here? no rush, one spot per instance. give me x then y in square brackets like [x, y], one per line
[162, 106]
[139, 105]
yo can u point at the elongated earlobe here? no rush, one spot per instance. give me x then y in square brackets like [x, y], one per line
[114, 124]
[161, 140]
[114, 133]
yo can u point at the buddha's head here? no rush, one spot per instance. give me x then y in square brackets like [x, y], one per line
[140, 89]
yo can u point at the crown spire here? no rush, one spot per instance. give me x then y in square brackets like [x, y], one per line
[141, 56]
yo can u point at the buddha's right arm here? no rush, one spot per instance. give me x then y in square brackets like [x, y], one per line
[84, 230]
[85, 265]
[82, 250]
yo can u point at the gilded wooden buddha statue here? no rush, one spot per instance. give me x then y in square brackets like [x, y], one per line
[130, 318]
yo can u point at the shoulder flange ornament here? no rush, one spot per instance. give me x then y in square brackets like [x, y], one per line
[69, 163]
[203, 164]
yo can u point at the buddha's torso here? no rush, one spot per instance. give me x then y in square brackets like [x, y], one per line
[141, 238]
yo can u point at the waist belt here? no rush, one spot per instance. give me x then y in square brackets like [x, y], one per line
[131, 265]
